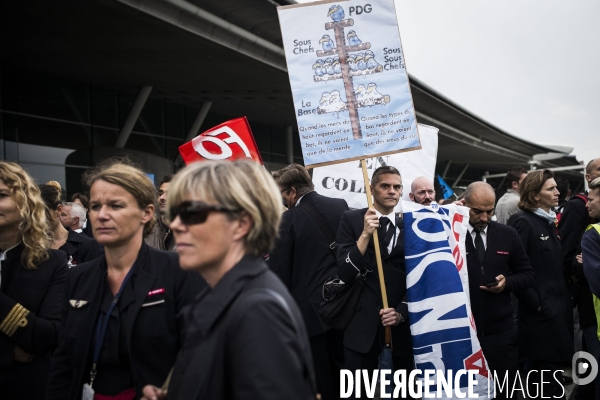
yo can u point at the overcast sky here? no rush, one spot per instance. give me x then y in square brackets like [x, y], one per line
[531, 68]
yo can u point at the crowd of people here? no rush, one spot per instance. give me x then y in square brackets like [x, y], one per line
[208, 287]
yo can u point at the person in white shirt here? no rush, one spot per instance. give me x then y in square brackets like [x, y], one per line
[72, 216]
[508, 204]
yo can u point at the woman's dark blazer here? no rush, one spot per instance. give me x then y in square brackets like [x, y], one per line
[245, 339]
[40, 291]
[545, 335]
[152, 325]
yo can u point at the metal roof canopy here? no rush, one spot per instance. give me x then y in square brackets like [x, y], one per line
[219, 52]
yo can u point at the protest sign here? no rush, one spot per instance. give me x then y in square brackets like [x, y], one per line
[349, 82]
[345, 181]
[229, 141]
[441, 322]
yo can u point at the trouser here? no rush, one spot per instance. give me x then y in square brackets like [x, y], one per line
[328, 358]
[354, 360]
[501, 350]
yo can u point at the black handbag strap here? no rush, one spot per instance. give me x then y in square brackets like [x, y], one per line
[322, 225]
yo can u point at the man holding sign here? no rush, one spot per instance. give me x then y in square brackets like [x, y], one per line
[363, 340]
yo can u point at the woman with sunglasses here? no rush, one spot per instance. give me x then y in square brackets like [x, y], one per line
[245, 337]
[120, 327]
[32, 279]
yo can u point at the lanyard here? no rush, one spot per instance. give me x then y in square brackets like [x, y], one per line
[103, 325]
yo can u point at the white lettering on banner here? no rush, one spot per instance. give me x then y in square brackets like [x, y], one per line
[438, 307]
[223, 144]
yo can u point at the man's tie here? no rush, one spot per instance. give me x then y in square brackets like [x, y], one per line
[386, 232]
[479, 246]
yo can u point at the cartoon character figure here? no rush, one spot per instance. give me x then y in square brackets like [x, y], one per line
[370, 60]
[335, 102]
[336, 13]
[352, 62]
[353, 40]
[318, 68]
[327, 43]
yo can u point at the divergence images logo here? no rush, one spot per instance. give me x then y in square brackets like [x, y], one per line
[584, 363]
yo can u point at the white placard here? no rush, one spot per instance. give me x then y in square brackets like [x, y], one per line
[345, 181]
[348, 76]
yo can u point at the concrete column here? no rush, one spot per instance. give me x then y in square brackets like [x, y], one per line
[461, 175]
[289, 145]
[446, 168]
[133, 116]
[198, 121]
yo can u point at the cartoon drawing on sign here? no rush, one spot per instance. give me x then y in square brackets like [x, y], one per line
[318, 67]
[368, 96]
[370, 61]
[336, 13]
[345, 66]
[348, 80]
[353, 40]
[327, 43]
[331, 102]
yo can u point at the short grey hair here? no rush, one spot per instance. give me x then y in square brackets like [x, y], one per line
[77, 211]
[237, 185]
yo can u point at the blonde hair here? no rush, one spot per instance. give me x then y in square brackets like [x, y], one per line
[238, 185]
[33, 214]
[56, 184]
[130, 178]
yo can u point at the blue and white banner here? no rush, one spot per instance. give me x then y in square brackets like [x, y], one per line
[442, 326]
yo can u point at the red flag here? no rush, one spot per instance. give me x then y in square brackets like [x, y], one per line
[229, 141]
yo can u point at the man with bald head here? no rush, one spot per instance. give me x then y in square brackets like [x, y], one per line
[497, 265]
[422, 191]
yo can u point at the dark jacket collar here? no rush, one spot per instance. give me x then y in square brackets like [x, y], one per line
[212, 303]
[309, 195]
[13, 252]
[75, 237]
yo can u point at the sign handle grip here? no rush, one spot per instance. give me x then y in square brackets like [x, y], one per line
[388, 331]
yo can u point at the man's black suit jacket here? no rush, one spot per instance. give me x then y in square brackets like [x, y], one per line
[80, 248]
[152, 320]
[366, 323]
[302, 258]
[504, 255]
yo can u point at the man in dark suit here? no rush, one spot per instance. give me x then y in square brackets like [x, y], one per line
[303, 258]
[363, 339]
[575, 218]
[497, 265]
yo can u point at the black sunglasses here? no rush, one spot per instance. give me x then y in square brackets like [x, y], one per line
[194, 212]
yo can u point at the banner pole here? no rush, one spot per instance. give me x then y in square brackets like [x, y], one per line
[388, 329]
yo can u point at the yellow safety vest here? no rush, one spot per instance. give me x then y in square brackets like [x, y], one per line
[596, 300]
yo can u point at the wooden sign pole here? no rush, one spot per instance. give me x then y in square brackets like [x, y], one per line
[388, 329]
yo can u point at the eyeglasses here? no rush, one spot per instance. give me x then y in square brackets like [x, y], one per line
[194, 212]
